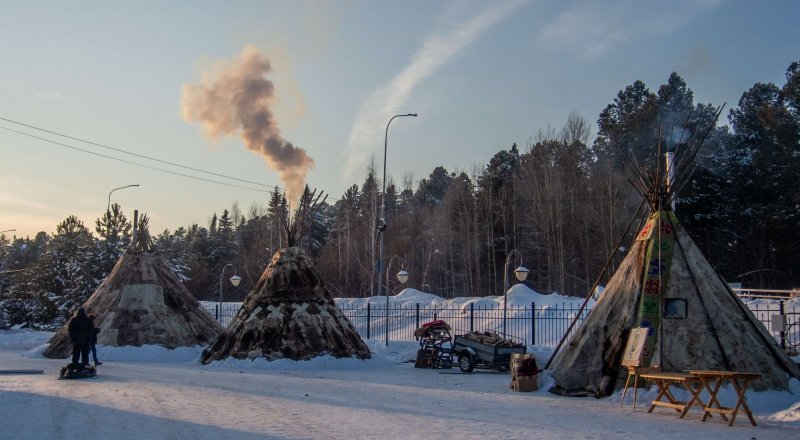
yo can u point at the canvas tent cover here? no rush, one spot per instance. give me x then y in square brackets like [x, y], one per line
[718, 331]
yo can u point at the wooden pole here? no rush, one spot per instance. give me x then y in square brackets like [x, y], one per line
[135, 224]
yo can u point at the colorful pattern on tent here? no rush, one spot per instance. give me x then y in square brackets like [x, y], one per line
[660, 233]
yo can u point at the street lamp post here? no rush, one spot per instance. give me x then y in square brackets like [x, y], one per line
[425, 272]
[235, 279]
[381, 226]
[108, 208]
[521, 272]
[402, 276]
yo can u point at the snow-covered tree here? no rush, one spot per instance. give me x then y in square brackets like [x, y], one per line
[48, 291]
[172, 247]
[114, 232]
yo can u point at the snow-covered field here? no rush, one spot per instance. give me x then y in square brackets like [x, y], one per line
[153, 393]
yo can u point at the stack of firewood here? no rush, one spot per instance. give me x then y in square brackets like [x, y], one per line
[490, 338]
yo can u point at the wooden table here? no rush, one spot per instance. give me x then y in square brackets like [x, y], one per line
[691, 382]
[712, 380]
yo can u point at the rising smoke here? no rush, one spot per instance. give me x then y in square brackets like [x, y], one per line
[234, 99]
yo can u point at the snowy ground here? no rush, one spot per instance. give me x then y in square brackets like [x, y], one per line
[152, 393]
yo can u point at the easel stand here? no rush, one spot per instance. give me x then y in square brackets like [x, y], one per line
[632, 372]
[632, 359]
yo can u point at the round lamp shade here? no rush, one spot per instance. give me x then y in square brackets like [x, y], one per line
[235, 280]
[402, 276]
[521, 273]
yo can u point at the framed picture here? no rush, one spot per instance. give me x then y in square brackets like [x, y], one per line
[675, 308]
[635, 347]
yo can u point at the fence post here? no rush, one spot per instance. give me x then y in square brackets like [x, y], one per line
[472, 317]
[533, 323]
[417, 316]
[783, 328]
[216, 312]
[369, 321]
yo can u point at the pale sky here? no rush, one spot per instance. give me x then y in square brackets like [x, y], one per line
[481, 75]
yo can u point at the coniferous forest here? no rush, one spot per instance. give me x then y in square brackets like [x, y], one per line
[561, 199]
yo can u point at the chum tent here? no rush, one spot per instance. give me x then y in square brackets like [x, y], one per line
[665, 284]
[142, 302]
[289, 314]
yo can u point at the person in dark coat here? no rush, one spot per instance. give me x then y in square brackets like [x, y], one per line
[81, 331]
[93, 318]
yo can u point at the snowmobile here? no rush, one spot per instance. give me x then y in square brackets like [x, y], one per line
[77, 371]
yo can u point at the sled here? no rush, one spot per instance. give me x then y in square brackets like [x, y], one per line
[77, 371]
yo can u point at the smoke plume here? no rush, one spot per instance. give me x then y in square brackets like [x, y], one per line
[234, 99]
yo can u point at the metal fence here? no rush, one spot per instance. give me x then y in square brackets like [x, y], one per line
[534, 325]
[225, 314]
[531, 324]
[783, 325]
[543, 325]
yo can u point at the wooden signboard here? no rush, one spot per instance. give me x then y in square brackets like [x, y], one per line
[634, 349]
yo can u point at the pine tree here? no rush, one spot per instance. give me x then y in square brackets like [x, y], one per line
[5, 277]
[223, 250]
[277, 209]
[173, 248]
[761, 171]
[59, 281]
[212, 227]
[201, 281]
[367, 237]
[628, 126]
[431, 191]
[114, 231]
[790, 93]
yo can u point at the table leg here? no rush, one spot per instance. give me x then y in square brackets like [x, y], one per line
[663, 389]
[714, 393]
[671, 398]
[741, 402]
[712, 396]
[695, 399]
